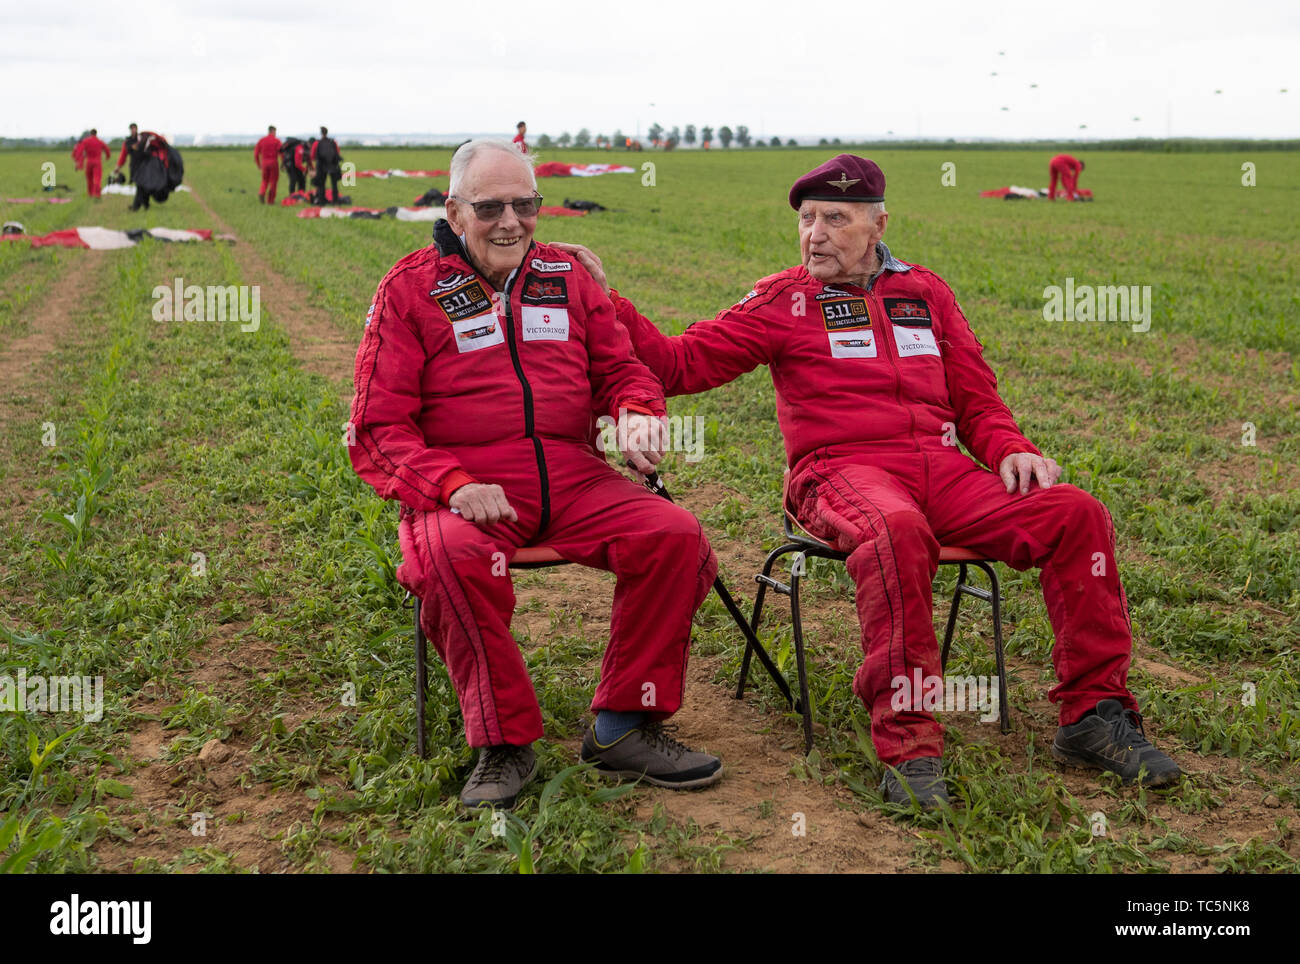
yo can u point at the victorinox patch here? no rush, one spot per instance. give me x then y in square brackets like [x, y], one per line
[464, 302]
[912, 340]
[544, 291]
[908, 311]
[544, 324]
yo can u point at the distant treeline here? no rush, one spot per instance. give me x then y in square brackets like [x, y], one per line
[1176, 145]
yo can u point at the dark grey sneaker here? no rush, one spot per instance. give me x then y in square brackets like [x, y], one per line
[650, 753]
[501, 772]
[1113, 739]
[923, 777]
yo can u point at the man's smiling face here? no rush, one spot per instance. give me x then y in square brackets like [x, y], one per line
[837, 240]
[498, 246]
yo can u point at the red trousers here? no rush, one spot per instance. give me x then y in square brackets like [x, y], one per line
[270, 179]
[657, 550]
[93, 172]
[1069, 178]
[893, 509]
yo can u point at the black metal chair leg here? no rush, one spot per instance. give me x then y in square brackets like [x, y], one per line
[805, 704]
[421, 681]
[753, 623]
[763, 580]
[952, 618]
[751, 639]
[998, 651]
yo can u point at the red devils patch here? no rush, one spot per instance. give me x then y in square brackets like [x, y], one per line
[544, 291]
[912, 312]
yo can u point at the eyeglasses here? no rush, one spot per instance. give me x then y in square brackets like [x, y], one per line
[524, 207]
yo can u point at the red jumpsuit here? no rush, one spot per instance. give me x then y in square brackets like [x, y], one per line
[267, 156]
[90, 152]
[449, 390]
[874, 387]
[1066, 168]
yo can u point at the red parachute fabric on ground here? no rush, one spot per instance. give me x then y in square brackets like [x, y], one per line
[67, 238]
[105, 239]
[553, 169]
[1004, 191]
[400, 173]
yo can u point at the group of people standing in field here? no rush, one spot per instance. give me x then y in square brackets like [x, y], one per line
[140, 149]
[316, 157]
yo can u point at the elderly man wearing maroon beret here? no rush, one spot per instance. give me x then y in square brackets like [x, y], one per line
[878, 376]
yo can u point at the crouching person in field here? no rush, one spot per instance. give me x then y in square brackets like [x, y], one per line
[483, 360]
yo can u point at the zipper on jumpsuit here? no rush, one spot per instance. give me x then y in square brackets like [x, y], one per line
[891, 348]
[529, 428]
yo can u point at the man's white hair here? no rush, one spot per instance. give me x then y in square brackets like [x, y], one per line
[473, 150]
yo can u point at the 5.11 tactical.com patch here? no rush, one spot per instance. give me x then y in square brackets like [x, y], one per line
[464, 302]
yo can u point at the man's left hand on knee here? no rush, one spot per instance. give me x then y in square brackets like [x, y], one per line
[1021, 468]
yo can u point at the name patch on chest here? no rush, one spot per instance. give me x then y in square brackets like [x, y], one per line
[848, 328]
[544, 291]
[544, 324]
[483, 331]
[464, 302]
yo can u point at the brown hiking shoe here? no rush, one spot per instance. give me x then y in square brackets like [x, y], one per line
[502, 771]
[650, 753]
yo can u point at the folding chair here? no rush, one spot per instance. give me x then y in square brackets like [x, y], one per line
[806, 545]
[543, 557]
[529, 557]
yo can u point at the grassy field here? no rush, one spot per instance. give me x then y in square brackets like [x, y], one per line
[183, 521]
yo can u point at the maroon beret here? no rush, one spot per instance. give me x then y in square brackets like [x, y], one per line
[843, 178]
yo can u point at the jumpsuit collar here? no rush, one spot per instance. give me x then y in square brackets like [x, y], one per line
[449, 243]
[887, 263]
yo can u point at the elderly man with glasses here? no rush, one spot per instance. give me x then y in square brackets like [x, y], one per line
[485, 361]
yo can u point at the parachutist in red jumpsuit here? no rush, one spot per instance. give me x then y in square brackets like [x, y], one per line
[476, 382]
[90, 153]
[1067, 169]
[878, 376]
[266, 155]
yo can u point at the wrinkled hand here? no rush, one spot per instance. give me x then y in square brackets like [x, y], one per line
[1021, 468]
[587, 258]
[482, 504]
[642, 440]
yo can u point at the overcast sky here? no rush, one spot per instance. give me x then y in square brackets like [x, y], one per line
[825, 67]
